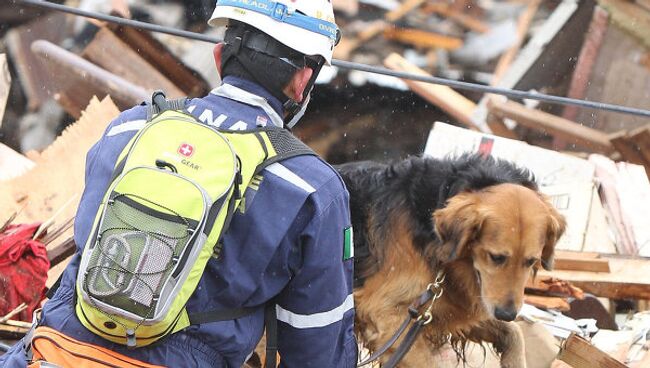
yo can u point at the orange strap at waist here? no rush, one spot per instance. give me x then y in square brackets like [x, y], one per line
[54, 347]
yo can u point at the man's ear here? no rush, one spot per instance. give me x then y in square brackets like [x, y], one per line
[457, 225]
[298, 83]
[218, 52]
[554, 229]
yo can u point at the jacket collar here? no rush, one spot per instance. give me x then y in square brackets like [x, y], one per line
[255, 89]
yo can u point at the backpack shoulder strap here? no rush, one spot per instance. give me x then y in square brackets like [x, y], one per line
[285, 145]
[160, 103]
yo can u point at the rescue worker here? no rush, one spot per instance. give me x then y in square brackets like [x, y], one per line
[285, 244]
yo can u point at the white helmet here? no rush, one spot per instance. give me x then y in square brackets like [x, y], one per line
[306, 26]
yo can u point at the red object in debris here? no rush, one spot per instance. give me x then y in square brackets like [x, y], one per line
[23, 270]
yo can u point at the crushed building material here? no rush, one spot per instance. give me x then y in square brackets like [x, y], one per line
[579, 353]
[78, 80]
[32, 72]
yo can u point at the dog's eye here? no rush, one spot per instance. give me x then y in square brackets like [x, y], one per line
[530, 262]
[498, 259]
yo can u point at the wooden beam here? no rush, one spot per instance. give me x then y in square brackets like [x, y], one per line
[506, 59]
[83, 78]
[623, 280]
[554, 125]
[631, 17]
[32, 72]
[587, 59]
[423, 39]
[162, 59]
[582, 264]
[627, 149]
[579, 353]
[462, 19]
[641, 138]
[452, 102]
[115, 56]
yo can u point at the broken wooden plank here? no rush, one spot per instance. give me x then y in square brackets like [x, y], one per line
[621, 282]
[523, 24]
[5, 85]
[641, 138]
[423, 39]
[461, 18]
[452, 102]
[579, 353]
[85, 79]
[59, 171]
[587, 60]
[628, 149]
[631, 17]
[109, 52]
[554, 125]
[33, 74]
[160, 57]
[581, 264]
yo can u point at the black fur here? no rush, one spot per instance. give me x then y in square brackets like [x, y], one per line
[419, 186]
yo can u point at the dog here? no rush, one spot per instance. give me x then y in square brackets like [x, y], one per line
[480, 221]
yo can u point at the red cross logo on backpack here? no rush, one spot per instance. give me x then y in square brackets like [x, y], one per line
[186, 150]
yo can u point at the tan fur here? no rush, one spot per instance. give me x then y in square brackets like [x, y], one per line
[505, 219]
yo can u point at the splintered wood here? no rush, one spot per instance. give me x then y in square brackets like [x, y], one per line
[58, 176]
[452, 102]
[573, 132]
[579, 353]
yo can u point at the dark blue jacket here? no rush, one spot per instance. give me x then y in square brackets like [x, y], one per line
[285, 243]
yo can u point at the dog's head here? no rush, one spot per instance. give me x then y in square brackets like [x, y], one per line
[505, 231]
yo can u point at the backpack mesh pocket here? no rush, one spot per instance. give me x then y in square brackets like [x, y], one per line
[139, 244]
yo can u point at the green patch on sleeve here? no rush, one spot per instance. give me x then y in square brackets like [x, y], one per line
[348, 244]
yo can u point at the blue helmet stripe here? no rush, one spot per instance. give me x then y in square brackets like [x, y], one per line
[280, 12]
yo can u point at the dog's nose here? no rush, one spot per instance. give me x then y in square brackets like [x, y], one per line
[505, 314]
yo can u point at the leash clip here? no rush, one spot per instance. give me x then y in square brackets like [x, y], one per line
[436, 288]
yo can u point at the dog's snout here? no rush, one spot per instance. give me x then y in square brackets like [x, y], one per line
[507, 313]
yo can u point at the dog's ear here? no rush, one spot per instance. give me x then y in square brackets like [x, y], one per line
[554, 229]
[457, 225]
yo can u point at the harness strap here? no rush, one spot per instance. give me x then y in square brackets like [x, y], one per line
[406, 345]
[159, 104]
[409, 339]
[219, 315]
[271, 324]
[388, 344]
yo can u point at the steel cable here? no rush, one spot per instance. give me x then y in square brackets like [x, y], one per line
[354, 66]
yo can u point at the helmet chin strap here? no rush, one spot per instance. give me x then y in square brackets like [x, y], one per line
[293, 110]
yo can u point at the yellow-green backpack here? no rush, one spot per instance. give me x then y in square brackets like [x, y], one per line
[174, 189]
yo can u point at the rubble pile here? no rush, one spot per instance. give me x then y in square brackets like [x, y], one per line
[56, 69]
